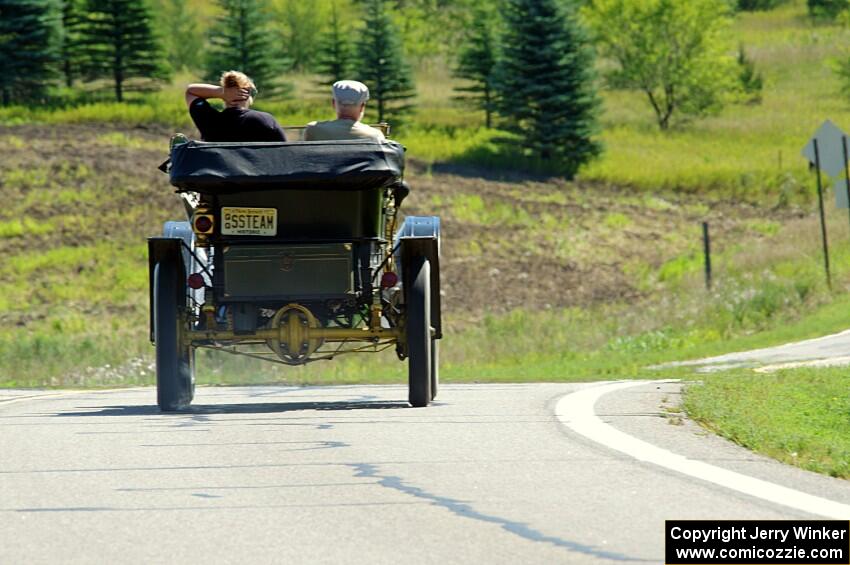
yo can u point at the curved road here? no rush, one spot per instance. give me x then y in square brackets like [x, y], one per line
[826, 351]
[536, 473]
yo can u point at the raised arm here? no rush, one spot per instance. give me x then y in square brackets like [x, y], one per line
[199, 90]
[230, 96]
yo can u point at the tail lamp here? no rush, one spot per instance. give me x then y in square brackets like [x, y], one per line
[195, 281]
[203, 222]
[389, 279]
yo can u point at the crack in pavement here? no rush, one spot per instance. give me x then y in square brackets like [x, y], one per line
[463, 509]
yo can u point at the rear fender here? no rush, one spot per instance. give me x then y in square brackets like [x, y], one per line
[163, 249]
[182, 230]
[420, 236]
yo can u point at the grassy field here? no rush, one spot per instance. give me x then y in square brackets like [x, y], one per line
[544, 279]
[799, 417]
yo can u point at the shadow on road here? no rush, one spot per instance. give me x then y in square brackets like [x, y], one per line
[246, 408]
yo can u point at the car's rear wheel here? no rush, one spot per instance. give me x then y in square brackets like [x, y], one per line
[435, 367]
[175, 382]
[419, 333]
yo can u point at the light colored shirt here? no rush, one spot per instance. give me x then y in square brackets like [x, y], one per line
[340, 129]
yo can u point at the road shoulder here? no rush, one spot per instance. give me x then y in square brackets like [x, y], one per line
[652, 413]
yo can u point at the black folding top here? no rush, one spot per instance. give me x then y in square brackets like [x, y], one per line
[217, 168]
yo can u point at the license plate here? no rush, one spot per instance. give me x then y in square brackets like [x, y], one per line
[248, 221]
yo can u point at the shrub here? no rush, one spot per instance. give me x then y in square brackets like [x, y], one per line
[751, 80]
[826, 8]
[758, 5]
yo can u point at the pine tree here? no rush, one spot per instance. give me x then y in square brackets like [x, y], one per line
[69, 56]
[242, 40]
[477, 63]
[28, 32]
[751, 80]
[546, 82]
[118, 42]
[382, 64]
[182, 35]
[299, 24]
[335, 52]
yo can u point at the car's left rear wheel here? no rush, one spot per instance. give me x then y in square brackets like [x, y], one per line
[175, 379]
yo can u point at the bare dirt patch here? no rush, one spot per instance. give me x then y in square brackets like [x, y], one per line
[543, 244]
[86, 183]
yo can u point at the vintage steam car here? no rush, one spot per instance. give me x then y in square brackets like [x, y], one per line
[292, 255]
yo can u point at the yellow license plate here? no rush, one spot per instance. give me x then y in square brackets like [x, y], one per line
[248, 221]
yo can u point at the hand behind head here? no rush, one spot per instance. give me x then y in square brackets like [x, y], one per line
[237, 97]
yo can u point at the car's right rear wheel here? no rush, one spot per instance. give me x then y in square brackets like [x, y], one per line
[175, 384]
[419, 369]
[435, 367]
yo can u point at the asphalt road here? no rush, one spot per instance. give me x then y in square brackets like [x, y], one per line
[830, 350]
[490, 473]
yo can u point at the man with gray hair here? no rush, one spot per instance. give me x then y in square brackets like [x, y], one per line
[349, 102]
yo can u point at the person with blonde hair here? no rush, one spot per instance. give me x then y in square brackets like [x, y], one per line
[237, 122]
[349, 103]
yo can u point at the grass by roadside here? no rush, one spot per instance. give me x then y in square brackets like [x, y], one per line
[800, 417]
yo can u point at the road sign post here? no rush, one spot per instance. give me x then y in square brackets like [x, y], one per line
[846, 172]
[822, 216]
[706, 246]
[827, 153]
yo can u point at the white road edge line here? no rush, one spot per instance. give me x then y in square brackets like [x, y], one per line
[576, 411]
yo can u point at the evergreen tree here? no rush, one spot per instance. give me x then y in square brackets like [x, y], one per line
[242, 40]
[118, 42]
[382, 64]
[299, 24]
[477, 63]
[182, 36]
[28, 32]
[751, 80]
[546, 81]
[335, 52]
[69, 55]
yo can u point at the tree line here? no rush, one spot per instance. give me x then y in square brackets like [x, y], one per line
[128, 44]
[530, 66]
[46, 42]
[194, 35]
